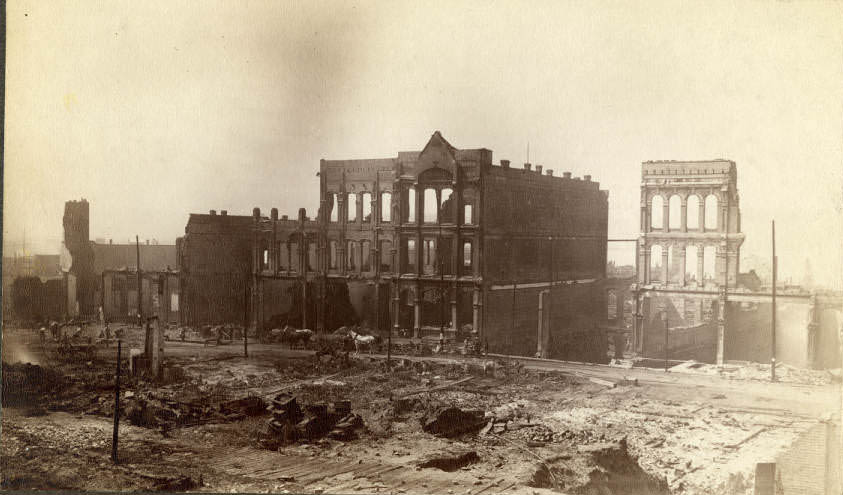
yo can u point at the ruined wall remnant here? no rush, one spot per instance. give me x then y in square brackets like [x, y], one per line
[79, 258]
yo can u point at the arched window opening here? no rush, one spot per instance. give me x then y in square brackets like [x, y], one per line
[430, 206]
[294, 256]
[466, 257]
[311, 256]
[385, 255]
[386, 207]
[693, 212]
[709, 257]
[672, 265]
[352, 207]
[367, 207]
[711, 212]
[429, 256]
[265, 258]
[411, 205]
[656, 212]
[468, 215]
[446, 211]
[334, 206]
[674, 220]
[365, 256]
[351, 256]
[656, 263]
[333, 255]
[410, 256]
[691, 261]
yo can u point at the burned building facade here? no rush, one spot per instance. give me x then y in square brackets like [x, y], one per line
[435, 240]
[688, 278]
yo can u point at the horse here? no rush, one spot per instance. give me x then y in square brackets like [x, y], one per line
[360, 341]
[295, 336]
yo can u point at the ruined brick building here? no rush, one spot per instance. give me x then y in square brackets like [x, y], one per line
[430, 240]
[105, 275]
[688, 256]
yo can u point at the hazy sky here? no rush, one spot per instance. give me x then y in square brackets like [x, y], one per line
[153, 110]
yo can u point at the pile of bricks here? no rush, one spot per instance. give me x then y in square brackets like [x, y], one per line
[291, 423]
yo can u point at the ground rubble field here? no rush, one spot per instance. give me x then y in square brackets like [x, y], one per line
[346, 424]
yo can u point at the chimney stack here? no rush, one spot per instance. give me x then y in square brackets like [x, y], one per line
[147, 242]
[566, 175]
[539, 169]
[213, 212]
[505, 163]
[224, 213]
[274, 214]
[528, 166]
[586, 178]
[549, 172]
[256, 212]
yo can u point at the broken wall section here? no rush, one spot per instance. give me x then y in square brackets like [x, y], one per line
[576, 314]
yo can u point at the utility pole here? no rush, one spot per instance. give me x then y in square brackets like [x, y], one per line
[441, 284]
[664, 318]
[116, 405]
[773, 321]
[246, 319]
[140, 282]
[550, 295]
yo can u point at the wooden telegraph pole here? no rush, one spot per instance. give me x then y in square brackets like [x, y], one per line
[773, 324]
[140, 280]
[116, 405]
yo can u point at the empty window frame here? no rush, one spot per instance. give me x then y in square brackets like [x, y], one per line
[386, 207]
[430, 207]
[367, 207]
[351, 207]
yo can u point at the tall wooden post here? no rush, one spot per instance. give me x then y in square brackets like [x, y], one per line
[666, 332]
[140, 280]
[246, 320]
[116, 405]
[773, 321]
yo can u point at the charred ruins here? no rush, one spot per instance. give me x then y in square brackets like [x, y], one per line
[442, 324]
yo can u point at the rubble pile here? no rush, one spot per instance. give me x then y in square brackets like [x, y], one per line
[26, 384]
[151, 411]
[291, 423]
[599, 468]
[451, 422]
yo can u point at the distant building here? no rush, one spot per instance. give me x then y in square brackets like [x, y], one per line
[750, 281]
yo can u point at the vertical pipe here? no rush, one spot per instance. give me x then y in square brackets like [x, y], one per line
[116, 405]
[773, 323]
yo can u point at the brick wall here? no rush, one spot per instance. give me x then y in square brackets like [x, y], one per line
[511, 324]
[812, 464]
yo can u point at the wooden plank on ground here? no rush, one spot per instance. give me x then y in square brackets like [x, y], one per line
[748, 438]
